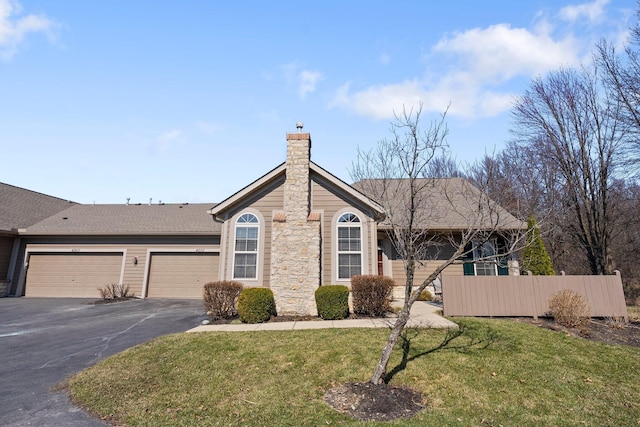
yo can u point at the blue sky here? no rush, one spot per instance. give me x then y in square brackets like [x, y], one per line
[190, 101]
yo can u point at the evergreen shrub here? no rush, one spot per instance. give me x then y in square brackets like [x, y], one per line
[535, 256]
[332, 302]
[256, 305]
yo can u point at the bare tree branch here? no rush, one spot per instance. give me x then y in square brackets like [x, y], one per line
[425, 216]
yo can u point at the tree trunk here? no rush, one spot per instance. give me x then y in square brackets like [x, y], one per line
[380, 373]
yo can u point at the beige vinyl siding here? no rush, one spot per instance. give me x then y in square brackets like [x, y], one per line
[397, 271]
[330, 202]
[134, 273]
[266, 201]
[6, 247]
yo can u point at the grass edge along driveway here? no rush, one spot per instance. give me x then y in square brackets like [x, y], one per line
[520, 375]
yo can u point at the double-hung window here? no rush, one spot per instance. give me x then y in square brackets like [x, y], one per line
[349, 246]
[245, 262]
[485, 253]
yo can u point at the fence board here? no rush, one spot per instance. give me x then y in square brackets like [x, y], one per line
[528, 295]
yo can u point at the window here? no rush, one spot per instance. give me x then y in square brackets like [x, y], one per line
[349, 246]
[485, 252]
[486, 259]
[245, 261]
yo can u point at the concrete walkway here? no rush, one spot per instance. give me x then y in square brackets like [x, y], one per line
[423, 315]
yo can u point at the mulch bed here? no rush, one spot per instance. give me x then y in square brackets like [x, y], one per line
[273, 319]
[603, 330]
[367, 401]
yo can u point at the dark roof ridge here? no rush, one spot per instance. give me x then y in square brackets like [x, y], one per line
[37, 192]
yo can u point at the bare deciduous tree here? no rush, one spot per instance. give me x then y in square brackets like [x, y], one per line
[621, 76]
[416, 209]
[569, 125]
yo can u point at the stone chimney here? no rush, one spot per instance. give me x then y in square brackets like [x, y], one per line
[296, 186]
[295, 236]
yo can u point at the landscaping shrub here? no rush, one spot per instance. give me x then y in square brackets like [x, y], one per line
[332, 302]
[569, 308]
[535, 257]
[220, 299]
[425, 295]
[256, 305]
[372, 295]
[113, 291]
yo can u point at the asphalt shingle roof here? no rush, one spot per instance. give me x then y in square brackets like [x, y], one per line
[158, 219]
[443, 204]
[21, 208]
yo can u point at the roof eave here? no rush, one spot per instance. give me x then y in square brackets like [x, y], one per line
[244, 192]
[349, 189]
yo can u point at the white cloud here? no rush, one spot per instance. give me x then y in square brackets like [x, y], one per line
[593, 11]
[304, 80]
[477, 70]
[500, 52]
[14, 29]
[307, 81]
[381, 101]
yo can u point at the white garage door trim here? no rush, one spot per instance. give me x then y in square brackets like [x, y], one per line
[147, 266]
[59, 250]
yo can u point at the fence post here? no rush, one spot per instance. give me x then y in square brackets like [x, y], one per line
[534, 295]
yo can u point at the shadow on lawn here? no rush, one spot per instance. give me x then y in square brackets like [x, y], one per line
[474, 338]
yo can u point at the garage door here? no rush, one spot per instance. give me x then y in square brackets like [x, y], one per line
[181, 275]
[71, 274]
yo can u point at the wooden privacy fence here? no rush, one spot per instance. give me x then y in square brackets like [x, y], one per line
[529, 295]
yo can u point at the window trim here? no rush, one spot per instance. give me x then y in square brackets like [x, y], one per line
[489, 261]
[348, 224]
[251, 224]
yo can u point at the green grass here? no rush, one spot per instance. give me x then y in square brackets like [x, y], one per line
[527, 376]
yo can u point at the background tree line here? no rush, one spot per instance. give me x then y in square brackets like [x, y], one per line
[572, 163]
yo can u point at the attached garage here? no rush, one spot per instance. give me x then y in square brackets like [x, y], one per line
[181, 274]
[71, 274]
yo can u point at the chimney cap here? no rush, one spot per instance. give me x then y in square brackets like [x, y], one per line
[299, 126]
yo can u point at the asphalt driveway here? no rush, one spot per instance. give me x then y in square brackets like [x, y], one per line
[45, 340]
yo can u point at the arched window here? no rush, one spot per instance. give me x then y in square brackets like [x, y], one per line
[245, 261]
[349, 246]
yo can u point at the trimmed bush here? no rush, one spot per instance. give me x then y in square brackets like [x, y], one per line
[569, 308]
[372, 295]
[332, 302]
[220, 299]
[256, 305]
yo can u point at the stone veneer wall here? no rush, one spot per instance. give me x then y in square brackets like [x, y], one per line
[295, 240]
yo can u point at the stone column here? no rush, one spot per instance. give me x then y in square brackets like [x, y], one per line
[295, 236]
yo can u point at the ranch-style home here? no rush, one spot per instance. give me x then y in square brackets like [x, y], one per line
[292, 230]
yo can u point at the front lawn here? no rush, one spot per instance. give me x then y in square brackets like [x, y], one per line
[526, 376]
